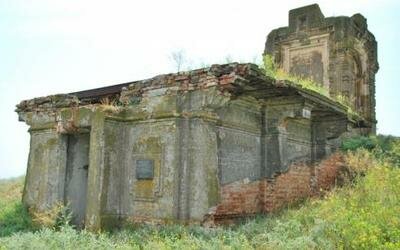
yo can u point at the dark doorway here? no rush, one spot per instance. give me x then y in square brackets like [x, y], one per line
[77, 176]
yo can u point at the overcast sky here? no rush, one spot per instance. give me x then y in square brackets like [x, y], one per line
[49, 47]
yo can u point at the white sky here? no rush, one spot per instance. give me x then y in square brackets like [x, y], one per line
[49, 47]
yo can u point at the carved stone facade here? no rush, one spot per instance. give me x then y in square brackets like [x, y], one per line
[199, 146]
[337, 52]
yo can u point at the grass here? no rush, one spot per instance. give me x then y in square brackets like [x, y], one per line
[363, 214]
[13, 216]
[110, 105]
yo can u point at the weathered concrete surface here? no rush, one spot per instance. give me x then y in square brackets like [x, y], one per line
[213, 143]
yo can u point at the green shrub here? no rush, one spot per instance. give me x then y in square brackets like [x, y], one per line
[384, 148]
[14, 216]
[269, 66]
[368, 215]
[388, 149]
[358, 142]
[65, 238]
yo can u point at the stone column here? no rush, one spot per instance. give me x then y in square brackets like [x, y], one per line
[198, 149]
[275, 134]
[96, 172]
[318, 140]
[203, 171]
[44, 184]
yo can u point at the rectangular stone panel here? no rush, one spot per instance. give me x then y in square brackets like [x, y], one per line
[144, 169]
[239, 155]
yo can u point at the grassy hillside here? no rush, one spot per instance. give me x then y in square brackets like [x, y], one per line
[363, 214]
[13, 216]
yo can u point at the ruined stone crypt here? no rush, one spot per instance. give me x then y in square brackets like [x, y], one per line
[210, 144]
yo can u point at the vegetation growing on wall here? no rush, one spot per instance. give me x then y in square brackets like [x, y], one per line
[110, 105]
[272, 70]
[363, 214]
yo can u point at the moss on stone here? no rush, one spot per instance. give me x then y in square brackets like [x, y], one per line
[212, 187]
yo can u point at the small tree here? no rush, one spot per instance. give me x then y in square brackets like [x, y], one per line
[228, 59]
[179, 59]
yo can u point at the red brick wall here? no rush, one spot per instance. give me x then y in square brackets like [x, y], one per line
[240, 197]
[327, 171]
[300, 181]
[287, 187]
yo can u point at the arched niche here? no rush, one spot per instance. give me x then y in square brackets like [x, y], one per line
[356, 91]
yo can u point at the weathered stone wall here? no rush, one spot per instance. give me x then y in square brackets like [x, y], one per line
[298, 133]
[337, 52]
[44, 185]
[182, 148]
[239, 155]
[125, 196]
[287, 133]
[239, 141]
[213, 142]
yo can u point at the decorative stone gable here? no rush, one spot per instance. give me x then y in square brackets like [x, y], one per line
[339, 53]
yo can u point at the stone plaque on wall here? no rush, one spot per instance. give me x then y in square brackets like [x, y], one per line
[147, 160]
[144, 169]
